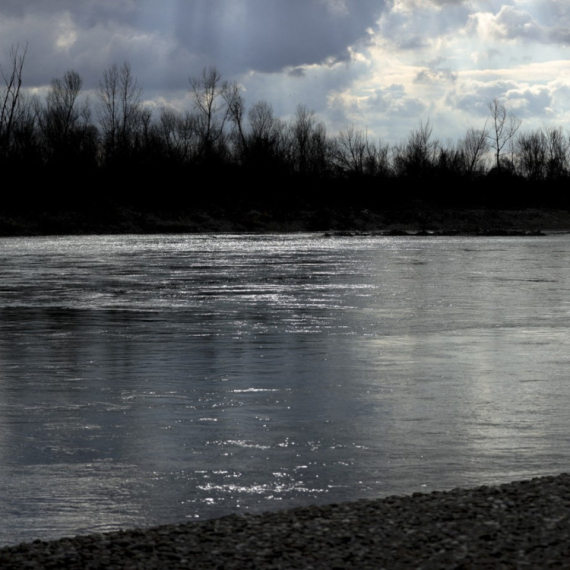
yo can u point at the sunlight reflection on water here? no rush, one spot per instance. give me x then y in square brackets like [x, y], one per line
[154, 379]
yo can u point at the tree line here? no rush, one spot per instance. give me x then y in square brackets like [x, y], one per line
[121, 145]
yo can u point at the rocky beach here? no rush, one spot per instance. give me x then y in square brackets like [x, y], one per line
[524, 524]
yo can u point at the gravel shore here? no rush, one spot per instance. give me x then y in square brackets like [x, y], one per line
[525, 524]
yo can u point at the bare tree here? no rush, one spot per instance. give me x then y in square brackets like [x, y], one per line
[208, 92]
[504, 127]
[543, 154]
[262, 121]
[178, 134]
[62, 108]
[418, 155]
[558, 148]
[474, 147]
[62, 121]
[10, 95]
[377, 162]
[311, 148]
[236, 111]
[302, 129]
[166, 131]
[269, 141]
[109, 109]
[353, 152]
[532, 153]
[350, 150]
[266, 130]
[120, 111]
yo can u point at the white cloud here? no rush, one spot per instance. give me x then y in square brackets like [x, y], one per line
[382, 65]
[508, 24]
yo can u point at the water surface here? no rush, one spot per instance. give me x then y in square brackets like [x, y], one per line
[156, 379]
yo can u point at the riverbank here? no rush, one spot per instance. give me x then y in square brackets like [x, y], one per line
[524, 524]
[417, 218]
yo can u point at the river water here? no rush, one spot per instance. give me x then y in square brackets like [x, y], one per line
[158, 379]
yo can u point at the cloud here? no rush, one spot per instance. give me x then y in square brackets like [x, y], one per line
[182, 36]
[413, 25]
[508, 24]
[395, 100]
[529, 100]
[512, 24]
[524, 94]
[265, 35]
[379, 64]
[435, 76]
[269, 35]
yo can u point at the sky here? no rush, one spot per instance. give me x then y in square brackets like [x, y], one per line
[384, 66]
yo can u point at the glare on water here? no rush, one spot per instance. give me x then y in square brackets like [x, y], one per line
[156, 379]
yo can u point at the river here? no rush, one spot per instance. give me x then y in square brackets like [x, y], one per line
[158, 379]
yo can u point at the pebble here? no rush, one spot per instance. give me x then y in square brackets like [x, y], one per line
[524, 524]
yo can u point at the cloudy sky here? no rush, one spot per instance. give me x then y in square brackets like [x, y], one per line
[383, 65]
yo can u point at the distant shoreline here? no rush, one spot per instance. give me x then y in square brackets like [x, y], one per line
[404, 221]
[523, 524]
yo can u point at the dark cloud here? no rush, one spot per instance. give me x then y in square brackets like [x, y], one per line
[270, 35]
[167, 41]
[264, 35]
[561, 35]
[87, 12]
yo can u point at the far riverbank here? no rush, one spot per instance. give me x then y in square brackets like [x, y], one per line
[413, 219]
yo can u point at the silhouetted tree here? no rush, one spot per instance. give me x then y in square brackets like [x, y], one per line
[262, 122]
[178, 135]
[236, 111]
[311, 149]
[350, 150]
[558, 147]
[62, 111]
[418, 155]
[10, 97]
[449, 162]
[120, 111]
[355, 154]
[42, 139]
[377, 162]
[67, 135]
[531, 156]
[208, 92]
[474, 148]
[268, 142]
[504, 127]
